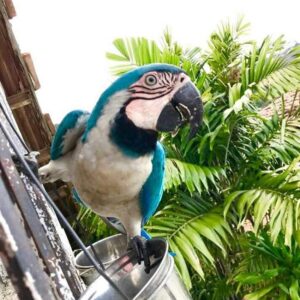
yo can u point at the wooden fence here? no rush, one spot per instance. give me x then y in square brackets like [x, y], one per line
[33, 245]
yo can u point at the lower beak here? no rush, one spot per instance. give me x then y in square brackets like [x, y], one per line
[185, 107]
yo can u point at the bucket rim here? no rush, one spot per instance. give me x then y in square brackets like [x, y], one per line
[158, 279]
[76, 256]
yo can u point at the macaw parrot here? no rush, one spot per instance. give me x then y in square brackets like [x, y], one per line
[113, 157]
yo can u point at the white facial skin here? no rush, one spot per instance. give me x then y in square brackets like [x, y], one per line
[150, 97]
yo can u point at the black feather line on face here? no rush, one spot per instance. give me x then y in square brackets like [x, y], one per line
[164, 79]
[145, 87]
[133, 141]
[152, 98]
[148, 92]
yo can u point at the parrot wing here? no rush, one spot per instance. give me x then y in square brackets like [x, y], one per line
[68, 133]
[152, 189]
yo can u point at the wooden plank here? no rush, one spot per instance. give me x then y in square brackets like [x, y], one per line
[19, 100]
[50, 124]
[12, 74]
[44, 156]
[8, 72]
[10, 8]
[15, 78]
[31, 69]
[7, 118]
[21, 104]
[27, 130]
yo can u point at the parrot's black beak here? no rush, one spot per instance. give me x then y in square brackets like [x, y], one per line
[185, 107]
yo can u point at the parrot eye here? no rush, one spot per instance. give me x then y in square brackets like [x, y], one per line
[150, 80]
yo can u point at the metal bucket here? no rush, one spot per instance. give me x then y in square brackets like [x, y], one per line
[108, 250]
[162, 282]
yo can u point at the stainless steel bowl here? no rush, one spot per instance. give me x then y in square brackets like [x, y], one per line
[162, 282]
[108, 250]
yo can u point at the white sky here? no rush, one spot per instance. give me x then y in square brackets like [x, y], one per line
[68, 39]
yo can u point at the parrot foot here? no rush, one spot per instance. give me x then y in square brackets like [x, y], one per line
[31, 160]
[144, 249]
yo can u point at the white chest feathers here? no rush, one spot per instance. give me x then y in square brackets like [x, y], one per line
[103, 176]
[106, 180]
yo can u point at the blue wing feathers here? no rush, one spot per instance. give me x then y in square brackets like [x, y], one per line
[69, 122]
[152, 189]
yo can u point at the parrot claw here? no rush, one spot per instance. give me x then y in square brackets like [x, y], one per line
[139, 245]
[144, 250]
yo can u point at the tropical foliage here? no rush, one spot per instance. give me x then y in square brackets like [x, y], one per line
[230, 210]
[90, 227]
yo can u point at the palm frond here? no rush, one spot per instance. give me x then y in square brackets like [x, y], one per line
[270, 71]
[275, 139]
[133, 52]
[90, 226]
[191, 227]
[194, 177]
[273, 202]
[225, 46]
[267, 270]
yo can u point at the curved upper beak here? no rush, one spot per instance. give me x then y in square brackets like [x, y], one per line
[185, 107]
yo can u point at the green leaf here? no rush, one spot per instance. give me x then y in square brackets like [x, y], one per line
[195, 177]
[294, 289]
[187, 249]
[260, 293]
[182, 267]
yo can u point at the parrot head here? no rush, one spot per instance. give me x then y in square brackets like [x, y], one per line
[150, 99]
[163, 99]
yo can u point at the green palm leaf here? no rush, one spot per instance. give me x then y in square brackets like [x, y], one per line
[195, 177]
[134, 52]
[271, 71]
[269, 271]
[192, 227]
[272, 202]
[225, 49]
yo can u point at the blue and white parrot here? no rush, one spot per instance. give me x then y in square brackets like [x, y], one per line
[112, 155]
